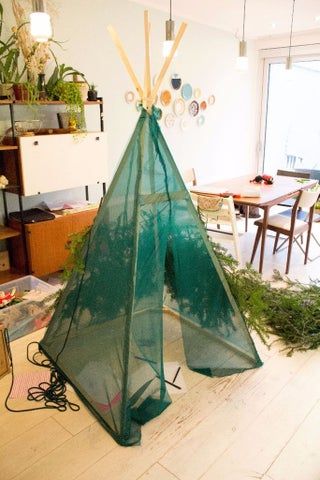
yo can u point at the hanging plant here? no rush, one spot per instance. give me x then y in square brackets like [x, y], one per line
[69, 93]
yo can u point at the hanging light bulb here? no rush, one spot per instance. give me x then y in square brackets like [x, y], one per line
[289, 58]
[40, 22]
[242, 59]
[167, 44]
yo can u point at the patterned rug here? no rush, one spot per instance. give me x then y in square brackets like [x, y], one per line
[27, 380]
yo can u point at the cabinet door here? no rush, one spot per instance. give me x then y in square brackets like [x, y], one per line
[59, 162]
[46, 242]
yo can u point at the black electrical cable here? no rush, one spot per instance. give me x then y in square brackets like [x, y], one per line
[53, 393]
[244, 19]
[291, 27]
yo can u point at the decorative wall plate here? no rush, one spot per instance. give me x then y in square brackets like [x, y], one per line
[176, 81]
[194, 108]
[203, 105]
[184, 124]
[186, 91]
[211, 99]
[169, 120]
[129, 96]
[200, 120]
[197, 93]
[165, 97]
[179, 107]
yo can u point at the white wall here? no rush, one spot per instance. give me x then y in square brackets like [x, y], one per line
[225, 145]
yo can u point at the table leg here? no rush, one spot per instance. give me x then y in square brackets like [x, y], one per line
[246, 216]
[263, 236]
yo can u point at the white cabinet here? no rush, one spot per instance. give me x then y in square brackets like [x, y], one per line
[58, 162]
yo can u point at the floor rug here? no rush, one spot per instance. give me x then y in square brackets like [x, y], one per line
[24, 381]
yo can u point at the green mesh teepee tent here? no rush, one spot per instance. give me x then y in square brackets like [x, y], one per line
[147, 243]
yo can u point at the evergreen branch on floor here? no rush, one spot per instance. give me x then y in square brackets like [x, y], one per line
[291, 311]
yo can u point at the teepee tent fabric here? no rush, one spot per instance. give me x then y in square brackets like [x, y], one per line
[147, 243]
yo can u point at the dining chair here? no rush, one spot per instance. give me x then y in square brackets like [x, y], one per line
[289, 202]
[215, 211]
[291, 227]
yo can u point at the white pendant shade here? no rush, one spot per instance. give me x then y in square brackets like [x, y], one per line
[242, 63]
[166, 47]
[40, 26]
[242, 60]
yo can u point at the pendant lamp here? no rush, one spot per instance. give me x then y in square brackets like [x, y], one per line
[242, 60]
[167, 44]
[40, 22]
[289, 58]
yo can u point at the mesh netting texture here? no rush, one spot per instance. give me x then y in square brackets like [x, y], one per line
[147, 247]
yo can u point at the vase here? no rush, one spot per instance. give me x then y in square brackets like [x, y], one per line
[41, 86]
[92, 95]
[6, 91]
[21, 92]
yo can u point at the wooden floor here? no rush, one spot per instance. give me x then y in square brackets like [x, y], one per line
[263, 423]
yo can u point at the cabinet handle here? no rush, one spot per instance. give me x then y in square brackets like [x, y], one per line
[36, 142]
[97, 138]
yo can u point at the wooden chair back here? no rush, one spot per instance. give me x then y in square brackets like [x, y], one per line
[292, 173]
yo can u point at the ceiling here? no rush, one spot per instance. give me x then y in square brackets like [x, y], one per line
[264, 17]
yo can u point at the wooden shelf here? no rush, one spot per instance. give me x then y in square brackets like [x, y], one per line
[51, 102]
[6, 102]
[6, 232]
[8, 147]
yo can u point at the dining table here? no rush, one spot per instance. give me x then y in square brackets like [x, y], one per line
[262, 195]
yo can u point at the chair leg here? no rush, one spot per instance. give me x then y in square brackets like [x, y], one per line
[276, 242]
[301, 238]
[307, 245]
[289, 254]
[236, 241]
[256, 243]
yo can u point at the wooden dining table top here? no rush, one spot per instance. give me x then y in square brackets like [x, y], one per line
[243, 190]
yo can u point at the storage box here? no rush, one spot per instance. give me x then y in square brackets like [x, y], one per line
[32, 312]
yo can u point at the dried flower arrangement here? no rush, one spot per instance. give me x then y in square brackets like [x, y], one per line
[35, 54]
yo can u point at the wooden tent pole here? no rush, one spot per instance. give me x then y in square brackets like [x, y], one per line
[124, 58]
[147, 74]
[168, 60]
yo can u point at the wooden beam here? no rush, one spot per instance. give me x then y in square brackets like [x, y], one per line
[147, 74]
[168, 61]
[125, 59]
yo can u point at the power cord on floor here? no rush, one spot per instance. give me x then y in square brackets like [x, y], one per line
[53, 393]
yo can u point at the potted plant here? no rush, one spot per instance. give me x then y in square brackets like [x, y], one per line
[9, 68]
[59, 87]
[92, 93]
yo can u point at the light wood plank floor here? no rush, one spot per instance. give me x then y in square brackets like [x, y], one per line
[263, 423]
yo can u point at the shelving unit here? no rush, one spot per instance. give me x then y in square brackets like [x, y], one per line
[46, 163]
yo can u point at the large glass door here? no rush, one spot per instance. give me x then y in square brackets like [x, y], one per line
[292, 127]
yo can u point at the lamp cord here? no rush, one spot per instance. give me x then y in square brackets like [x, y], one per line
[244, 18]
[170, 9]
[292, 15]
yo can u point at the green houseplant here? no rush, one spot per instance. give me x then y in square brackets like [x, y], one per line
[59, 87]
[9, 56]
